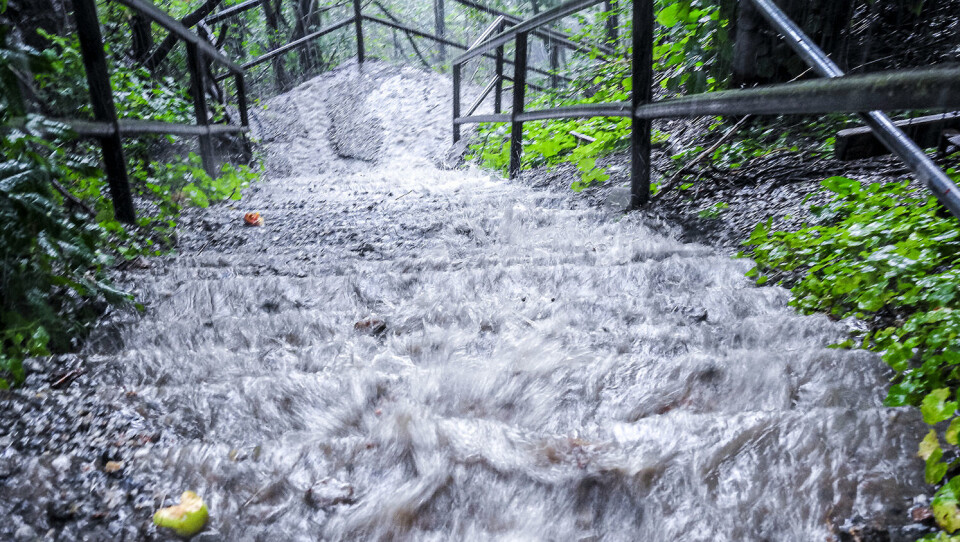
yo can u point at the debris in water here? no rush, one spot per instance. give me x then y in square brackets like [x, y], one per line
[373, 326]
[186, 518]
[921, 514]
[113, 466]
[253, 219]
[329, 492]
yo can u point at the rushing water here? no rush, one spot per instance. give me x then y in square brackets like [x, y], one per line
[405, 352]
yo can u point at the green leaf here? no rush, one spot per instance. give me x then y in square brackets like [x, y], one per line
[935, 407]
[842, 186]
[670, 15]
[944, 504]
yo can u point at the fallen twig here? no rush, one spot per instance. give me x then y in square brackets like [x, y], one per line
[700, 158]
[73, 200]
[583, 137]
[66, 379]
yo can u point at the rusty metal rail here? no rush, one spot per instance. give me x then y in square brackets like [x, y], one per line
[932, 88]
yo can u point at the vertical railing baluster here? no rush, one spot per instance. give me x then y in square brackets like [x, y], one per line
[519, 94]
[358, 21]
[642, 94]
[104, 110]
[244, 115]
[456, 100]
[498, 97]
[198, 90]
[554, 63]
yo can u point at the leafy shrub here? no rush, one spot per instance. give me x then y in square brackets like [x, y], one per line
[51, 265]
[891, 255]
[691, 45]
[53, 257]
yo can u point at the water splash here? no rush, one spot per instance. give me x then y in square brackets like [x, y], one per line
[405, 352]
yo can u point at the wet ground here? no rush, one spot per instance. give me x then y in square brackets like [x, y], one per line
[409, 352]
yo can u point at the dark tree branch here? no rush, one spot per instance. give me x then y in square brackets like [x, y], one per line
[160, 54]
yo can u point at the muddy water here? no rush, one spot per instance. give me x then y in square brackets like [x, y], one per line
[405, 352]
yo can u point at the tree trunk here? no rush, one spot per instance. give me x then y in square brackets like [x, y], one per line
[27, 16]
[308, 20]
[141, 37]
[271, 14]
[440, 23]
[157, 57]
[761, 57]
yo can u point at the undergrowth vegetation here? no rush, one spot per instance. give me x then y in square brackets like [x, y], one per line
[58, 235]
[691, 53]
[885, 253]
[889, 254]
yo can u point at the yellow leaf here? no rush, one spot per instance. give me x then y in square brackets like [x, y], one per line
[947, 516]
[928, 445]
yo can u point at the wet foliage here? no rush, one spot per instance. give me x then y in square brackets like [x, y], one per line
[51, 265]
[57, 231]
[887, 253]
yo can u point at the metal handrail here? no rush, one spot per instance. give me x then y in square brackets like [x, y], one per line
[883, 127]
[544, 33]
[110, 129]
[937, 87]
[296, 44]
[485, 35]
[532, 23]
[902, 90]
[176, 28]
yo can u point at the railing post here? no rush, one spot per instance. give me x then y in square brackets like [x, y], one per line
[244, 114]
[456, 100]
[358, 21]
[554, 63]
[498, 97]
[101, 97]
[519, 93]
[198, 90]
[613, 22]
[642, 94]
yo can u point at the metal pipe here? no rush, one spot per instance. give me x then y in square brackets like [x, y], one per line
[528, 25]
[456, 100]
[195, 66]
[915, 89]
[887, 132]
[616, 109]
[486, 91]
[498, 69]
[642, 93]
[477, 119]
[519, 92]
[494, 27]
